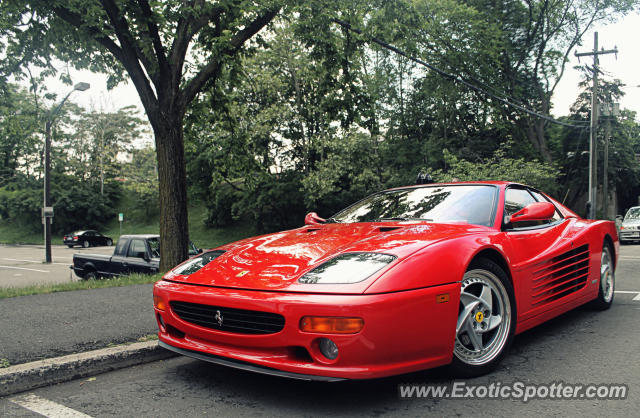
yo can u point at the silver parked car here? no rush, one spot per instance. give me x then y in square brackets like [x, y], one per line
[630, 228]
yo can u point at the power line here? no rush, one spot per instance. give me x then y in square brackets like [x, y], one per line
[453, 77]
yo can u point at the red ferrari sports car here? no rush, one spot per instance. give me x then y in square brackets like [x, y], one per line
[406, 279]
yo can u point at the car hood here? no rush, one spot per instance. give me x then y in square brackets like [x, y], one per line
[631, 222]
[275, 262]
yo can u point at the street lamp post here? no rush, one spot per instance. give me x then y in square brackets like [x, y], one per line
[47, 211]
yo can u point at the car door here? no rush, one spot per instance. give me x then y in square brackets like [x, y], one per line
[542, 260]
[119, 264]
[99, 238]
[138, 258]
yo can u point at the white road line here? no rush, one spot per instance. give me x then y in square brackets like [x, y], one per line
[24, 268]
[46, 407]
[34, 261]
[629, 257]
[637, 298]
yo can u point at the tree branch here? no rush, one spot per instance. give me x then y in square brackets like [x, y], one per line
[75, 19]
[185, 32]
[210, 70]
[126, 39]
[130, 58]
[155, 39]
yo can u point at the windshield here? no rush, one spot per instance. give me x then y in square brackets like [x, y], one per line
[474, 204]
[633, 213]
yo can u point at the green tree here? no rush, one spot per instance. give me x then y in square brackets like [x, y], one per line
[91, 151]
[20, 138]
[140, 176]
[170, 50]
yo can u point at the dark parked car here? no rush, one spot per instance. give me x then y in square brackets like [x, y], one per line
[133, 254]
[89, 238]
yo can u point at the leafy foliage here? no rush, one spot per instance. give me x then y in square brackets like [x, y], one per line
[500, 167]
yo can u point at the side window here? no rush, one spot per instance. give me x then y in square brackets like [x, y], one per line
[137, 249]
[121, 247]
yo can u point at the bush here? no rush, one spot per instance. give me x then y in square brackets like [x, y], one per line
[500, 167]
[76, 204]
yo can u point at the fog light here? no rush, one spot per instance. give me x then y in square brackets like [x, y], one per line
[161, 322]
[328, 348]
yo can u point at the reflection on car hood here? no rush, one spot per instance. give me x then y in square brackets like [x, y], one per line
[276, 261]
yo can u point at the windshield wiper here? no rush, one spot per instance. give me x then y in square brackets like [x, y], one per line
[332, 221]
[400, 218]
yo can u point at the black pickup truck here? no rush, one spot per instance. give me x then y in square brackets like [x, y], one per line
[133, 254]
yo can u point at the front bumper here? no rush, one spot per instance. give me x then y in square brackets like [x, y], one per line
[403, 331]
[629, 236]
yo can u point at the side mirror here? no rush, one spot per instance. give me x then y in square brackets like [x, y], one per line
[312, 218]
[199, 250]
[146, 257]
[540, 211]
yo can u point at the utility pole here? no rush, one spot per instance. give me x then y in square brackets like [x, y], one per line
[593, 156]
[609, 110]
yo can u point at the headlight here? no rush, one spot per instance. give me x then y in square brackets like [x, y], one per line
[348, 268]
[196, 263]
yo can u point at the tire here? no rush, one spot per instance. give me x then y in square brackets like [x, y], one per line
[85, 244]
[69, 245]
[90, 275]
[607, 283]
[486, 320]
[109, 242]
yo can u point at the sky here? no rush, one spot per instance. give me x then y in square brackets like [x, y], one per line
[621, 35]
[626, 67]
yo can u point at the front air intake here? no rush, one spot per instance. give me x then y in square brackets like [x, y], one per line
[238, 321]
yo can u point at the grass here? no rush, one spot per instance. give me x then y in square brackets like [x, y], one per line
[11, 292]
[137, 222]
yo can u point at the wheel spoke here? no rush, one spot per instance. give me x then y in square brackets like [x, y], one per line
[475, 338]
[494, 321]
[468, 298]
[486, 298]
[464, 316]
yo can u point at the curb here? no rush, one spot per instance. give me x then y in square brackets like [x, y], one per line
[28, 376]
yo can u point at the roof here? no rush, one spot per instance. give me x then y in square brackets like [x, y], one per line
[143, 236]
[460, 183]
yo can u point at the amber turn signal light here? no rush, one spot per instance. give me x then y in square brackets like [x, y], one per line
[159, 303]
[331, 324]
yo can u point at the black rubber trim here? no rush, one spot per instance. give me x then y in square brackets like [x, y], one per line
[237, 364]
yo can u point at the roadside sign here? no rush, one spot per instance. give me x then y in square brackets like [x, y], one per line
[121, 217]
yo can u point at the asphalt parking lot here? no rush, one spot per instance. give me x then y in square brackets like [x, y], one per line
[581, 347]
[23, 265]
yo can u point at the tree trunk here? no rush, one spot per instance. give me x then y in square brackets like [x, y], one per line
[172, 182]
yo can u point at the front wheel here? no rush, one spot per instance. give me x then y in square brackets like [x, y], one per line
[69, 245]
[607, 280]
[109, 243]
[90, 275]
[85, 244]
[486, 319]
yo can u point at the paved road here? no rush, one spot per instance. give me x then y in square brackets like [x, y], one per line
[579, 347]
[22, 265]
